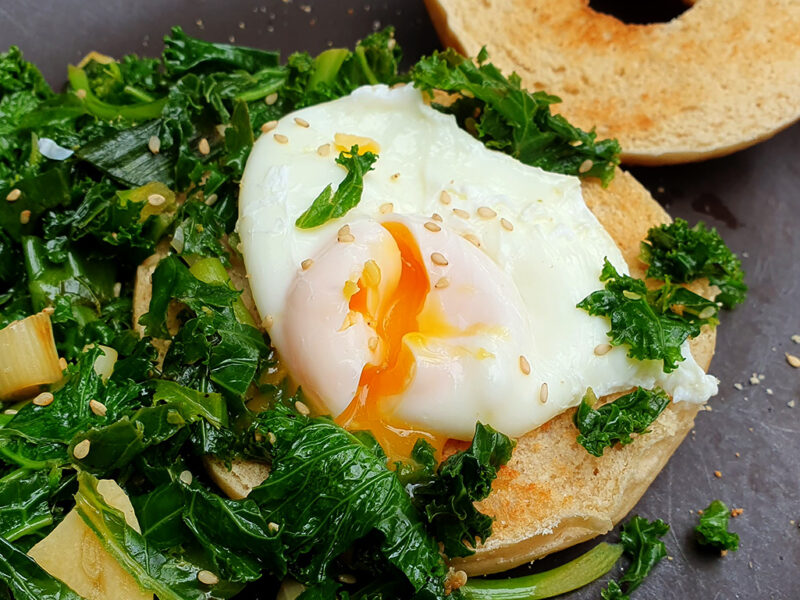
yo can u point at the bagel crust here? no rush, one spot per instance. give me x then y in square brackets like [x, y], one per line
[554, 494]
[722, 76]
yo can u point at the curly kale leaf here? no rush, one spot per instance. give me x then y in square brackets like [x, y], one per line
[682, 254]
[640, 540]
[332, 205]
[653, 323]
[512, 119]
[713, 528]
[447, 500]
[615, 422]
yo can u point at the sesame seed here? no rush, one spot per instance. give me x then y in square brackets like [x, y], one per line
[344, 235]
[10, 411]
[62, 363]
[186, 477]
[631, 295]
[602, 349]
[14, 195]
[347, 579]
[268, 126]
[156, 199]
[707, 312]
[437, 217]
[524, 365]
[486, 213]
[442, 283]
[472, 239]
[543, 393]
[506, 224]
[207, 578]
[43, 399]
[302, 408]
[280, 138]
[790, 403]
[25, 217]
[117, 289]
[438, 258]
[793, 360]
[80, 94]
[431, 226]
[267, 321]
[586, 166]
[754, 379]
[372, 344]
[445, 198]
[738, 386]
[271, 98]
[461, 213]
[372, 273]
[306, 264]
[271, 438]
[796, 338]
[386, 208]
[203, 147]
[324, 150]
[154, 144]
[273, 527]
[301, 122]
[718, 474]
[395, 176]
[98, 408]
[769, 392]
[81, 449]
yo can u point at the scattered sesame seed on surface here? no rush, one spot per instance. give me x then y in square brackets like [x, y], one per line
[524, 365]
[273, 527]
[186, 477]
[306, 264]
[602, 349]
[793, 360]
[81, 94]
[506, 224]
[271, 438]
[796, 339]
[25, 217]
[271, 99]
[62, 363]
[13, 195]
[486, 213]
[268, 126]
[43, 399]
[395, 176]
[738, 386]
[631, 295]
[438, 258]
[386, 208]
[280, 138]
[98, 408]
[472, 239]
[586, 166]
[431, 226]
[753, 379]
[10, 411]
[737, 455]
[301, 122]
[81, 449]
[437, 217]
[445, 198]
[203, 147]
[154, 144]
[718, 474]
[156, 199]
[211, 200]
[543, 393]
[207, 578]
[324, 150]
[347, 579]
[770, 392]
[791, 404]
[461, 213]
[302, 408]
[241, 25]
[344, 236]
[442, 283]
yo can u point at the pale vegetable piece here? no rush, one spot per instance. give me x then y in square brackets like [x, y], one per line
[104, 364]
[28, 357]
[290, 590]
[238, 481]
[74, 554]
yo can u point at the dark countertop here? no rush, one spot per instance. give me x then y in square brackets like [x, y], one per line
[752, 436]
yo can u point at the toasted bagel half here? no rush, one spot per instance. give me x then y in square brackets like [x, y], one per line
[720, 77]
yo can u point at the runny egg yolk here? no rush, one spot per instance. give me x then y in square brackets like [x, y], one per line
[394, 318]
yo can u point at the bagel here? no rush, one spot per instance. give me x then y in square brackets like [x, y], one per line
[553, 493]
[722, 76]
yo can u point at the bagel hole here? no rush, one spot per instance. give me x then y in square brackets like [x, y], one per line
[641, 13]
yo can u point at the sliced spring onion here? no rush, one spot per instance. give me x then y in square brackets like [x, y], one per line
[28, 357]
[570, 576]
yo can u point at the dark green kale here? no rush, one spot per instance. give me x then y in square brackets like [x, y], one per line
[615, 422]
[26, 579]
[653, 323]
[447, 499]
[682, 254]
[332, 205]
[640, 540]
[503, 115]
[24, 501]
[713, 531]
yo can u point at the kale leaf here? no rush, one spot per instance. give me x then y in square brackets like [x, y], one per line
[615, 422]
[653, 323]
[640, 540]
[713, 531]
[24, 506]
[332, 205]
[682, 254]
[26, 579]
[447, 500]
[512, 119]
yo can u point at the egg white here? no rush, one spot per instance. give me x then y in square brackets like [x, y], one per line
[531, 277]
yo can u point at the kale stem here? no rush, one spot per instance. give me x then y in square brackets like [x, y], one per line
[570, 576]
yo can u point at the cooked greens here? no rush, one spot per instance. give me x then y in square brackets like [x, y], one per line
[712, 530]
[641, 541]
[614, 422]
[652, 323]
[682, 254]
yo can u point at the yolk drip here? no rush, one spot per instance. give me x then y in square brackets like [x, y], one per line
[396, 317]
